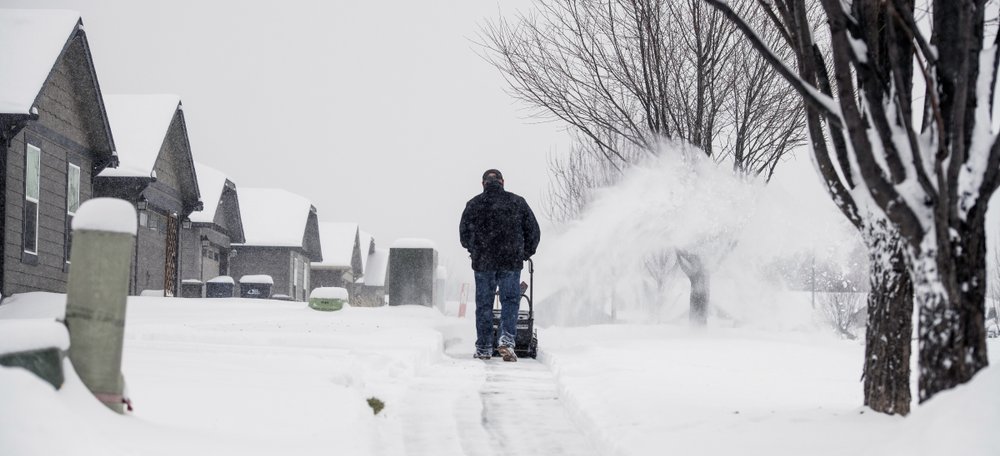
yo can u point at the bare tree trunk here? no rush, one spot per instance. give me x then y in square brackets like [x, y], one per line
[694, 269]
[890, 311]
[952, 324]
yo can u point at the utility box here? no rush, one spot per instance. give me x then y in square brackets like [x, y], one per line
[220, 287]
[411, 273]
[328, 298]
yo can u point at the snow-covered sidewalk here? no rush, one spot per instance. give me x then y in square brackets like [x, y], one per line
[250, 377]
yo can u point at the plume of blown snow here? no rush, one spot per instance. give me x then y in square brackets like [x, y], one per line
[618, 262]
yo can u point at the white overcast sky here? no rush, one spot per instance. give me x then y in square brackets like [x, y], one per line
[381, 113]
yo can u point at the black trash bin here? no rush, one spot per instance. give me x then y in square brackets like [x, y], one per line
[220, 287]
[256, 286]
[192, 288]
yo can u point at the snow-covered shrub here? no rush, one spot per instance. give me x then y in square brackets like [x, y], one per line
[844, 312]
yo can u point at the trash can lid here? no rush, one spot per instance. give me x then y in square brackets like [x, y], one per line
[257, 279]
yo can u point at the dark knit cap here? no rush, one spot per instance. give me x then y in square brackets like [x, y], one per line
[495, 172]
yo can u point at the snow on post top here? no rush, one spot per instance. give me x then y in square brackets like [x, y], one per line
[32, 41]
[413, 243]
[329, 293]
[260, 278]
[139, 124]
[105, 214]
[21, 335]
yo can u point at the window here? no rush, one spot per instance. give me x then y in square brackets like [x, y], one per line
[32, 192]
[305, 280]
[72, 204]
[295, 277]
[72, 189]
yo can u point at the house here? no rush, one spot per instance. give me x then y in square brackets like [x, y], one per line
[342, 261]
[371, 292]
[54, 137]
[157, 175]
[281, 232]
[206, 239]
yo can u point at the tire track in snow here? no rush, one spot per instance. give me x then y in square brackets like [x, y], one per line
[463, 406]
[523, 413]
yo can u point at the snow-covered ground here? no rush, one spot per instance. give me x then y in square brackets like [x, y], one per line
[253, 377]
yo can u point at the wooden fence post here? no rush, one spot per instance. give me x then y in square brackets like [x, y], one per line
[103, 238]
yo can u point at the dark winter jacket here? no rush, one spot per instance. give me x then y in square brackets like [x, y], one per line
[499, 230]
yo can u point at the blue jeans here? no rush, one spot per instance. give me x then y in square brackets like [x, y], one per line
[509, 284]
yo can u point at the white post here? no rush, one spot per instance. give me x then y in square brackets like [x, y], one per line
[103, 238]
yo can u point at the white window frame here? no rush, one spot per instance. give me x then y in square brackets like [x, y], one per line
[38, 191]
[70, 211]
[69, 187]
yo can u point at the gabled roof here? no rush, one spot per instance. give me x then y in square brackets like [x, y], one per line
[378, 263]
[31, 43]
[212, 183]
[365, 241]
[140, 124]
[340, 243]
[221, 208]
[279, 218]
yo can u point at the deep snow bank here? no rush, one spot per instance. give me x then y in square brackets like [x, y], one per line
[229, 377]
[660, 389]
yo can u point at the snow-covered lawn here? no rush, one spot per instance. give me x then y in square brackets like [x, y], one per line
[651, 390]
[253, 377]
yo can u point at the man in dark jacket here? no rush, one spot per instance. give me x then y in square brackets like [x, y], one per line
[500, 232]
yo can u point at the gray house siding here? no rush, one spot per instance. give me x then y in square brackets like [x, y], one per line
[168, 199]
[206, 247]
[200, 261]
[277, 262]
[64, 132]
[328, 278]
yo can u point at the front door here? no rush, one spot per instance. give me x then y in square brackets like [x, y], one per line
[170, 268]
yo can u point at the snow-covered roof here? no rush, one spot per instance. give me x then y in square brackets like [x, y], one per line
[364, 242]
[378, 262]
[139, 124]
[211, 182]
[337, 240]
[32, 41]
[413, 243]
[273, 217]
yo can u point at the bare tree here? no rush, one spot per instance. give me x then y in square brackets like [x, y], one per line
[574, 177]
[929, 180]
[625, 74]
[843, 311]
